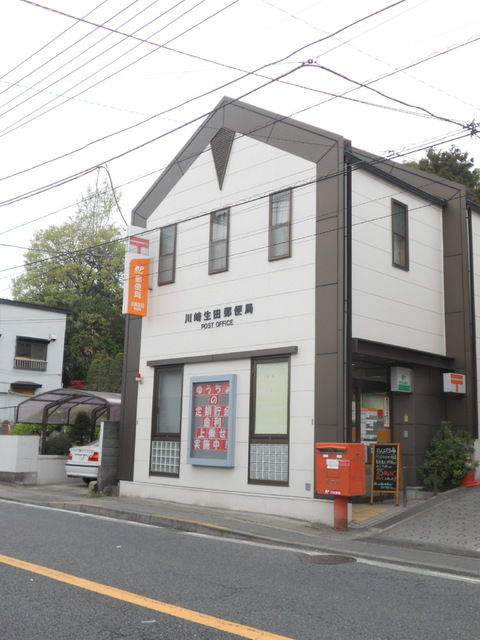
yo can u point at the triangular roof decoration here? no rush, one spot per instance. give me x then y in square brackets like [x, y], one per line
[229, 118]
[221, 146]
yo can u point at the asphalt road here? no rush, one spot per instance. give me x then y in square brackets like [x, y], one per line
[165, 584]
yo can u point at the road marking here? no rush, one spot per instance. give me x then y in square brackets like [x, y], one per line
[418, 570]
[266, 545]
[196, 617]
[196, 522]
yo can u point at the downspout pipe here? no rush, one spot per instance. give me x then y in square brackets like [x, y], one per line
[472, 317]
[347, 296]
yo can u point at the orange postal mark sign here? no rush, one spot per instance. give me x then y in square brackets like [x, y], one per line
[138, 272]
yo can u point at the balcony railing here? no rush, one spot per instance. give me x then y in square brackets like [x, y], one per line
[31, 365]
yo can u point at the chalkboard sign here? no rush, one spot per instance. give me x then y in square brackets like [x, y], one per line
[385, 469]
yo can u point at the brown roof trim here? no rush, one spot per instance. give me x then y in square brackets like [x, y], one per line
[391, 353]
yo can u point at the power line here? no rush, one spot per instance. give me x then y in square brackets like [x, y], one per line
[55, 57]
[384, 95]
[203, 214]
[164, 46]
[47, 44]
[94, 168]
[470, 126]
[90, 169]
[430, 143]
[12, 128]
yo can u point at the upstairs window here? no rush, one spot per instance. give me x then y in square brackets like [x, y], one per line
[31, 354]
[218, 249]
[166, 258]
[400, 235]
[279, 225]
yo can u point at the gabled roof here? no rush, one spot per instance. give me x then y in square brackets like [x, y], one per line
[30, 305]
[233, 116]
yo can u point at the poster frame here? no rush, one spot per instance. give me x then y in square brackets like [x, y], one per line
[215, 460]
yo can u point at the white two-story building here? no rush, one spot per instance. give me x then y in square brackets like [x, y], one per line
[301, 291]
[31, 352]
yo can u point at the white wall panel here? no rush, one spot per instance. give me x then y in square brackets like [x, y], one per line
[282, 294]
[391, 305]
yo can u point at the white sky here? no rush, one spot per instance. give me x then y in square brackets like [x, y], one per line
[66, 84]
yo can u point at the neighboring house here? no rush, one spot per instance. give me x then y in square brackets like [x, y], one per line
[31, 352]
[304, 291]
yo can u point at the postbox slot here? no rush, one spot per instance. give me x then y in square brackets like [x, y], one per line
[332, 449]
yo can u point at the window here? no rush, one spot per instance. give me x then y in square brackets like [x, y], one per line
[400, 234]
[269, 429]
[279, 225]
[31, 354]
[166, 258]
[219, 231]
[166, 423]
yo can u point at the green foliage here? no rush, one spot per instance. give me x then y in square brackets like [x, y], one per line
[22, 429]
[80, 431]
[453, 165]
[446, 453]
[78, 266]
[105, 374]
[58, 445]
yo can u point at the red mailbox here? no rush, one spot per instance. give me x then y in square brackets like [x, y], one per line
[340, 468]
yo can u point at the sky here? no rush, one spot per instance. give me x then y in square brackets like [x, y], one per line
[111, 90]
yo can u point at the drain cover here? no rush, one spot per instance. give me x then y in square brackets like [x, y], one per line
[329, 559]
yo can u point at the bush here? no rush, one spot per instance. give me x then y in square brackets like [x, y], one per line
[57, 445]
[80, 432]
[22, 429]
[446, 454]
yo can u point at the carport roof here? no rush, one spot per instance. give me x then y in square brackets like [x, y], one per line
[60, 407]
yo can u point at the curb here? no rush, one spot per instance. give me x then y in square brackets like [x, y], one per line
[203, 528]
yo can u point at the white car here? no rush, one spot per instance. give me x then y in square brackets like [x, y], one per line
[83, 462]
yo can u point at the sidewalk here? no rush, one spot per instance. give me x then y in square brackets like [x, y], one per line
[440, 533]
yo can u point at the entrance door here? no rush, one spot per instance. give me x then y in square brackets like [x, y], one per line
[372, 417]
[370, 404]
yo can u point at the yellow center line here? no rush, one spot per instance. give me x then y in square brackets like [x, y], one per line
[69, 502]
[204, 524]
[240, 630]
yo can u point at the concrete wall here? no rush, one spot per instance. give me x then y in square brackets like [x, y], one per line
[21, 463]
[108, 469]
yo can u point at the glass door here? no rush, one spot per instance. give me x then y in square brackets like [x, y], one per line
[370, 403]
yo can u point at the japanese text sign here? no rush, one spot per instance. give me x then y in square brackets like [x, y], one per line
[137, 287]
[211, 438]
[137, 267]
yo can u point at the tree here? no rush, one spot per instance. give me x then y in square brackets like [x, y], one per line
[453, 165]
[82, 431]
[105, 374]
[78, 267]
